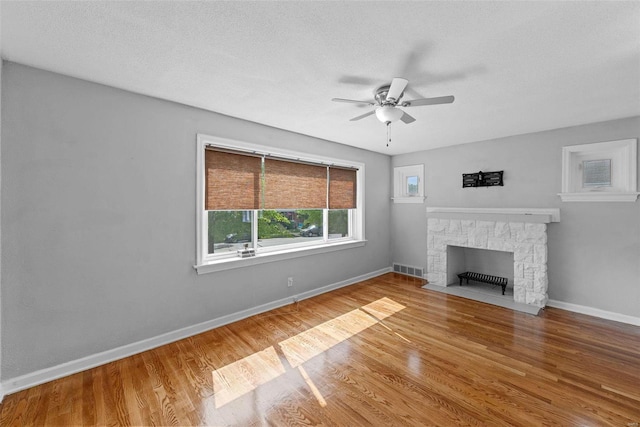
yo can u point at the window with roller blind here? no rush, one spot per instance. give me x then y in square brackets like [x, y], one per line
[273, 201]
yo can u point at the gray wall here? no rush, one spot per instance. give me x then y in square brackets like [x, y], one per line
[1, 392]
[594, 252]
[98, 220]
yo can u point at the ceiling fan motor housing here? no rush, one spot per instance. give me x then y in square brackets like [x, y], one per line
[380, 96]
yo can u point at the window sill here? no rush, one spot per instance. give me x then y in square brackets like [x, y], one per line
[413, 199]
[263, 258]
[599, 196]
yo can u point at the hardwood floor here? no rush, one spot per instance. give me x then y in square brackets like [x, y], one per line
[381, 352]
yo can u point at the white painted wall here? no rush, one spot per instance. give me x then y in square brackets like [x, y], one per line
[594, 252]
[1, 66]
[98, 221]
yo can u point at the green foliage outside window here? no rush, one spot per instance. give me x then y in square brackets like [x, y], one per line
[223, 223]
[310, 217]
[270, 224]
[273, 224]
[339, 222]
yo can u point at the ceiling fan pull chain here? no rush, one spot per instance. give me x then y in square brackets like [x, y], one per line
[388, 137]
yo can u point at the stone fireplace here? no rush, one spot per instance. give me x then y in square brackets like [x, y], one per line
[520, 231]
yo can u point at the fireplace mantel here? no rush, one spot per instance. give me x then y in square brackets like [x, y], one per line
[530, 215]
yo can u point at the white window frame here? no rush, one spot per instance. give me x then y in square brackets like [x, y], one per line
[401, 174]
[207, 263]
[623, 156]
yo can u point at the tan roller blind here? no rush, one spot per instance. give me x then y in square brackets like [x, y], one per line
[232, 181]
[236, 181]
[342, 188]
[290, 185]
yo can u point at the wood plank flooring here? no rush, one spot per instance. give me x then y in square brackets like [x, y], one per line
[381, 352]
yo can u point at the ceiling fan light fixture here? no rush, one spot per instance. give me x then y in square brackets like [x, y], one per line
[388, 113]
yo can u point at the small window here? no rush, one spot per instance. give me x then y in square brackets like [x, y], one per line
[408, 184]
[600, 172]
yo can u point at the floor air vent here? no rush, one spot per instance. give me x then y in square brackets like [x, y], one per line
[408, 270]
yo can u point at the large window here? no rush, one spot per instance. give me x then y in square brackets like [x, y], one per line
[258, 200]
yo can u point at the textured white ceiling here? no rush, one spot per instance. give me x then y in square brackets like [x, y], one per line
[514, 67]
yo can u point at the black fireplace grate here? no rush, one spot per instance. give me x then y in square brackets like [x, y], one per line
[484, 278]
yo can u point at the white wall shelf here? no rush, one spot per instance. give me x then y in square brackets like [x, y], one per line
[408, 199]
[598, 197]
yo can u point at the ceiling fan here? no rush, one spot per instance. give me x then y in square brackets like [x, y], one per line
[388, 99]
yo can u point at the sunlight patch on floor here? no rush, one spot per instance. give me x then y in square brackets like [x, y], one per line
[312, 342]
[317, 340]
[245, 375]
[312, 387]
[383, 308]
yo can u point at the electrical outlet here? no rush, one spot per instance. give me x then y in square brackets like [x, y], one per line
[290, 282]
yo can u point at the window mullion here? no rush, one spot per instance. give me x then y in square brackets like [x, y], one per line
[325, 224]
[325, 212]
[350, 221]
[254, 229]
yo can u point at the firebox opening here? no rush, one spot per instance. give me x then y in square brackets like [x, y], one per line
[483, 261]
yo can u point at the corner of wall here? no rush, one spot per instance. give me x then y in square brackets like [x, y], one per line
[1, 348]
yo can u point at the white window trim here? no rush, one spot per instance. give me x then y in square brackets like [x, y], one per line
[400, 175]
[623, 154]
[207, 264]
[263, 258]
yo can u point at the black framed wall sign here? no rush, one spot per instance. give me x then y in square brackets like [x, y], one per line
[482, 179]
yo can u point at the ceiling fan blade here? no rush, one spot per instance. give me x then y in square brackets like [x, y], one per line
[397, 87]
[353, 101]
[363, 116]
[429, 101]
[407, 118]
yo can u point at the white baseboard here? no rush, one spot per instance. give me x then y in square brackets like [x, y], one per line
[49, 374]
[339, 285]
[596, 312]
